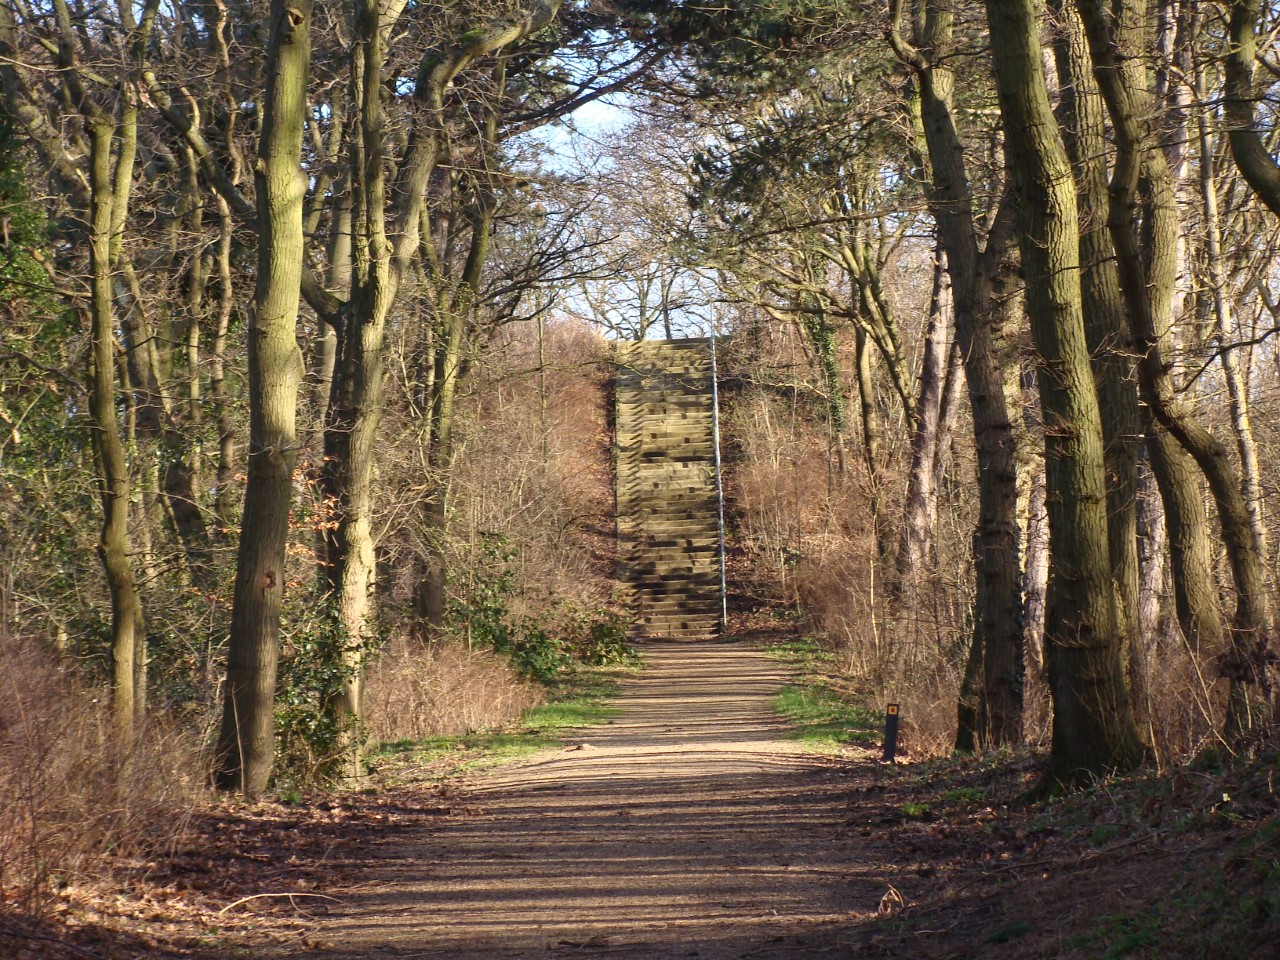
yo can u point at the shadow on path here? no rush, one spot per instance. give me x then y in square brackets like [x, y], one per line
[688, 827]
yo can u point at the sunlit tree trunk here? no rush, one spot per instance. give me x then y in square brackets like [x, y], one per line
[1237, 388]
[245, 751]
[107, 201]
[990, 707]
[114, 544]
[1146, 276]
[915, 546]
[1093, 728]
[356, 401]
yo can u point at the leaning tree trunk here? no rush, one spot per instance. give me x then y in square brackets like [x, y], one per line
[1093, 728]
[245, 751]
[1254, 160]
[1237, 388]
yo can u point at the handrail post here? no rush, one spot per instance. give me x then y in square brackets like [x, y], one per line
[715, 429]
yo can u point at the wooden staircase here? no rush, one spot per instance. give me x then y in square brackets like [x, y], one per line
[668, 508]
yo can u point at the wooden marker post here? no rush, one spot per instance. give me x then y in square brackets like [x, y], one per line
[890, 732]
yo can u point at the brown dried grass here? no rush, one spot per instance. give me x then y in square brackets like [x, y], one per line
[71, 793]
[417, 690]
[808, 529]
[1184, 703]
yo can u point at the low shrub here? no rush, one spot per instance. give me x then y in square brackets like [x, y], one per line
[415, 690]
[70, 791]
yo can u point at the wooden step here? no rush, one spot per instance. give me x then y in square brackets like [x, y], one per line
[667, 525]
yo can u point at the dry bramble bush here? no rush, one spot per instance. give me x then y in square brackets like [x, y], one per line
[70, 792]
[531, 505]
[803, 511]
[417, 690]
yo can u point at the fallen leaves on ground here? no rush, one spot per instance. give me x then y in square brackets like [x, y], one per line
[240, 864]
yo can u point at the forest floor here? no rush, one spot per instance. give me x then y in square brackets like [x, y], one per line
[693, 825]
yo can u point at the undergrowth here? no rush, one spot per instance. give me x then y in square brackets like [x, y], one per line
[1183, 864]
[578, 698]
[73, 795]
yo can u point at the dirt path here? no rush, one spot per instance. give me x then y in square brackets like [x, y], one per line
[687, 827]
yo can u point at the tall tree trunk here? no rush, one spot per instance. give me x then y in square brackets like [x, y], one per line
[1237, 388]
[108, 204]
[919, 512]
[245, 752]
[114, 546]
[355, 407]
[1093, 728]
[990, 708]
[998, 635]
[380, 263]
[1146, 276]
[1081, 114]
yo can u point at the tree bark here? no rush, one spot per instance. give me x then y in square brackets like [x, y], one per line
[1146, 277]
[245, 752]
[107, 200]
[1082, 118]
[1253, 159]
[1154, 621]
[356, 400]
[1237, 388]
[114, 546]
[919, 512]
[990, 707]
[1093, 728]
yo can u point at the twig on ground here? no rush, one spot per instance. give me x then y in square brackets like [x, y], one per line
[264, 896]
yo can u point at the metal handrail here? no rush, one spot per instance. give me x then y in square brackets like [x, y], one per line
[715, 430]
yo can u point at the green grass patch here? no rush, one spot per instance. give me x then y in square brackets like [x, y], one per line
[804, 650]
[582, 711]
[579, 699]
[823, 719]
[1219, 906]
[1010, 931]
